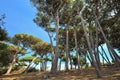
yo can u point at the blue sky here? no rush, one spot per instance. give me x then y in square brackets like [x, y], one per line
[19, 18]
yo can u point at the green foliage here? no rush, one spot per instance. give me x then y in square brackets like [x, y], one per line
[5, 57]
[6, 53]
[68, 12]
[41, 48]
[47, 59]
[83, 62]
[27, 58]
[17, 67]
[25, 40]
[62, 57]
[74, 58]
[2, 71]
[37, 60]
[112, 28]
[3, 32]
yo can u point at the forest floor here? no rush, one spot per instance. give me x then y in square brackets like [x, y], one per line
[108, 73]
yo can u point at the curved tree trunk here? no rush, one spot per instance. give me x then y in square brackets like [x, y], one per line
[98, 72]
[13, 61]
[55, 60]
[12, 64]
[53, 51]
[117, 58]
[91, 55]
[36, 65]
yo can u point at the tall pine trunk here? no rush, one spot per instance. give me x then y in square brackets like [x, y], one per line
[54, 65]
[96, 48]
[53, 51]
[76, 47]
[67, 52]
[71, 67]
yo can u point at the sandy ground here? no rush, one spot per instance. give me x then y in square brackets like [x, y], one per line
[85, 74]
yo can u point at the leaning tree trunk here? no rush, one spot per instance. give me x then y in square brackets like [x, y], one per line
[104, 59]
[90, 59]
[13, 61]
[111, 55]
[54, 65]
[35, 65]
[105, 54]
[117, 58]
[76, 47]
[89, 45]
[91, 55]
[12, 64]
[28, 67]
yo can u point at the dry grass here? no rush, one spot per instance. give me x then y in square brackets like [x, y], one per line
[108, 73]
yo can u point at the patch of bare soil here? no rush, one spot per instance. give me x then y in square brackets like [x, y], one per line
[108, 73]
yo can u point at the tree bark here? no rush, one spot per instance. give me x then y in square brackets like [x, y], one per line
[102, 54]
[53, 51]
[60, 64]
[54, 65]
[105, 54]
[98, 72]
[91, 55]
[96, 49]
[76, 47]
[45, 63]
[117, 58]
[12, 64]
[67, 52]
[71, 67]
[28, 67]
